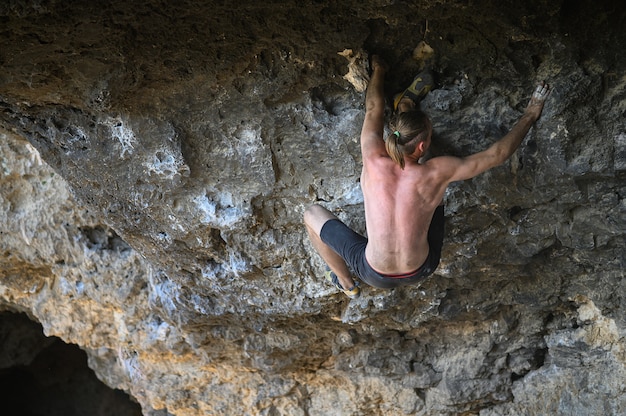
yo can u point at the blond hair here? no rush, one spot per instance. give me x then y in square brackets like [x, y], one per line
[409, 129]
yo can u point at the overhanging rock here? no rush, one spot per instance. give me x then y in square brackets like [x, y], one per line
[157, 159]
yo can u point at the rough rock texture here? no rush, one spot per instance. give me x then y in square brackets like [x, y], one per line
[156, 158]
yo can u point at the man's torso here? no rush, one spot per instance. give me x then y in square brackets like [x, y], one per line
[399, 206]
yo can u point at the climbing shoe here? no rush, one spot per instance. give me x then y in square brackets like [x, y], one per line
[421, 85]
[332, 278]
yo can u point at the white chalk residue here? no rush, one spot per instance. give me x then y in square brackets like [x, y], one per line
[235, 265]
[163, 164]
[221, 213]
[129, 361]
[353, 195]
[122, 133]
[207, 207]
[164, 292]
[158, 331]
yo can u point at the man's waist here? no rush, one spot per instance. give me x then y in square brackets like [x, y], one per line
[397, 274]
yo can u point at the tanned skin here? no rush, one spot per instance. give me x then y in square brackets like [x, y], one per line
[399, 203]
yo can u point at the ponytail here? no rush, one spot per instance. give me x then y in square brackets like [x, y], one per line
[410, 128]
[393, 148]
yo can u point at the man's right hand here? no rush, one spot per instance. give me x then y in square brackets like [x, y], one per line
[538, 99]
[378, 63]
[456, 169]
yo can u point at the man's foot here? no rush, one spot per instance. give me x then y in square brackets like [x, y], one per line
[405, 104]
[332, 278]
[421, 85]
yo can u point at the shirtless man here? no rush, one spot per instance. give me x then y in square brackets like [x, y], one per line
[403, 195]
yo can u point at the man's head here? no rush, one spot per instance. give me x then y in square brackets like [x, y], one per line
[411, 133]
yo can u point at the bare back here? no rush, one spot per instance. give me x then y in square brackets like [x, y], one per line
[399, 203]
[399, 206]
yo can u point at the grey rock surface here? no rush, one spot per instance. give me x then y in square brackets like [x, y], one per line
[156, 159]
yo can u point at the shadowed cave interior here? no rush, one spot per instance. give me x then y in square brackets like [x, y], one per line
[44, 376]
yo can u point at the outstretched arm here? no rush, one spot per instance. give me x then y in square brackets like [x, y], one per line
[372, 143]
[500, 151]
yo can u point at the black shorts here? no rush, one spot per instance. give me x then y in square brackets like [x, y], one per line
[351, 247]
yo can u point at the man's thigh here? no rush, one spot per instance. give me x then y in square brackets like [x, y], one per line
[346, 242]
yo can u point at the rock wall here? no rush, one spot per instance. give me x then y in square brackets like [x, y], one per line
[157, 157]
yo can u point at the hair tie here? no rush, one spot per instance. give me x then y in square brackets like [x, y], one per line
[397, 134]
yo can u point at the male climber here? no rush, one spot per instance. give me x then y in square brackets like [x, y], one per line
[403, 194]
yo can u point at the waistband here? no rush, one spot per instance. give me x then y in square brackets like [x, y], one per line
[397, 276]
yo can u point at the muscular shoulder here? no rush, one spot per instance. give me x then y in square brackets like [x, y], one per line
[443, 168]
[372, 147]
[454, 169]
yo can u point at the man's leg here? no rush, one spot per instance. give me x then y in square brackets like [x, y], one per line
[405, 104]
[314, 218]
[419, 88]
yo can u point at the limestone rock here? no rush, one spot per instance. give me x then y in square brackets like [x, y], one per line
[156, 160]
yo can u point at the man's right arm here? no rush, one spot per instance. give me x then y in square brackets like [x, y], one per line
[465, 168]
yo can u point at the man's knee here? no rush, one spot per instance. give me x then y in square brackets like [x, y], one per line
[311, 214]
[316, 215]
